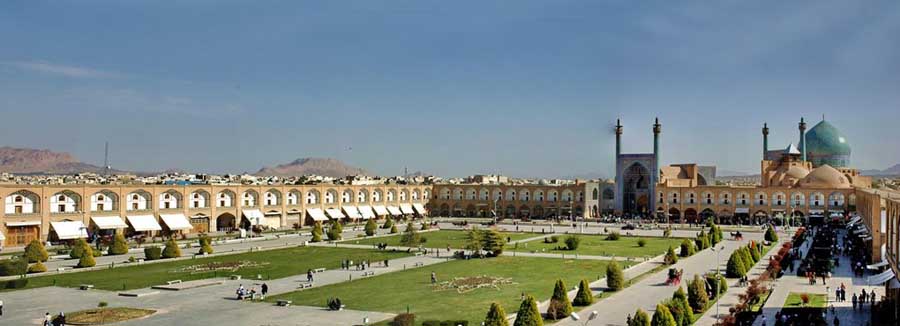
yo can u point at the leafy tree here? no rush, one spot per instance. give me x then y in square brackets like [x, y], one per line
[493, 242]
[205, 244]
[771, 236]
[37, 268]
[410, 237]
[560, 307]
[474, 241]
[528, 314]
[615, 279]
[35, 252]
[317, 232]
[572, 242]
[336, 231]
[87, 257]
[496, 316]
[584, 297]
[388, 223]
[119, 246]
[78, 248]
[371, 227]
[735, 267]
[640, 319]
[681, 297]
[662, 317]
[687, 248]
[171, 250]
[671, 258]
[697, 297]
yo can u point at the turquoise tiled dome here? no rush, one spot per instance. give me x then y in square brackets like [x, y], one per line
[825, 144]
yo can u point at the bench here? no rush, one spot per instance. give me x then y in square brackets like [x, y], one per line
[319, 270]
[86, 287]
[173, 282]
[235, 277]
[368, 274]
[418, 254]
[419, 264]
[284, 303]
[305, 285]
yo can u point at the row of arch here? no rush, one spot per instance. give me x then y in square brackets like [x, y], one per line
[67, 201]
[726, 216]
[514, 211]
[523, 195]
[743, 198]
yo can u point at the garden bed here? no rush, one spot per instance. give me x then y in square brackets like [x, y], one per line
[102, 316]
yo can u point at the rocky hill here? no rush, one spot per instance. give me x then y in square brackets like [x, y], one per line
[894, 170]
[319, 166]
[41, 161]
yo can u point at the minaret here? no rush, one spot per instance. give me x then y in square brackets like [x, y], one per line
[765, 132]
[654, 175]
[803, 139]
[620, 187]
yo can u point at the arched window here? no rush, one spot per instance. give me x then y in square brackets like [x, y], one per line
[596, 194]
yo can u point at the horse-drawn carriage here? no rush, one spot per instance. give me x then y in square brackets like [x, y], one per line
[737, 235]
[674, 277]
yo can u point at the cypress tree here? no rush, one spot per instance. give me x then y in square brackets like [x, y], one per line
[681, 297]
[754, 251]
[702, 240]
[205, 244]
[336, 230]
[528, 314]
[118, 247]
[735, 267]
[394, 229]
[317, 232]
[662, 317]
[747, 260]
[37, 268]
[615, 279]
[687, 248]
[640, 318]
[771, 236]
[35, 252]
[78, 248]
[171, 250]
[87, 257]
[370, 227]
[723, 285]
[697, 297]
[496, 316]
[676, 309]
[388, 223]
[584, 297]
[493, 242]
[671, 258]
[560, 307]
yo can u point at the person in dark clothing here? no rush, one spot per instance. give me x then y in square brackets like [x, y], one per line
[265, 289]
[309, 276]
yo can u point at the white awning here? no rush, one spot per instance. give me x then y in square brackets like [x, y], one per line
[316, 214]
[69, 230]
[176, 221]
[395, 210]
[407, 209]
[420, 209]
[742, 210]
[141, 223]
[334, 213]
[352, 212]
[23, 223]
[880, 278]
[109, 222]
[366, 212]
[255, 216]
[380, 210]
[878, 265]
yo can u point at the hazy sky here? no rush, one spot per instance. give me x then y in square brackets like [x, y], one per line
[525, 88]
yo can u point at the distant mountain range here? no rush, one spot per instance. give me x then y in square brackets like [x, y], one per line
[319, 166]
[894, 170]
[43, 161]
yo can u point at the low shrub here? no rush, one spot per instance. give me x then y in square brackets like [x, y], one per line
[87, 258]
[572, 242]
[152, 253]
[613, 236]
[37, 268]
[18, 283]
[119, 246]
[404, 320]
[641, 242]
[551, 239]
[35, 252]
[13, 266]
[171, 250]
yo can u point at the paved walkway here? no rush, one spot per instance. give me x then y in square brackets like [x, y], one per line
[211, 305]
[842, 274]
[652, 290]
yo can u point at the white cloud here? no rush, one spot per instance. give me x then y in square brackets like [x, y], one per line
[61, 70]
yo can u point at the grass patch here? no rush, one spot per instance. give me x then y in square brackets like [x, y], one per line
[395, 292]
[270, 264]
[101, 316]
[436, 239]
[597, 245]
[815, 300]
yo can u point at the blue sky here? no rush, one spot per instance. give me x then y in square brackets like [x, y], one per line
[525, 88]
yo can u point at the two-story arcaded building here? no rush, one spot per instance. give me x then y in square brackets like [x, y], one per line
[61, 212]
[581, 199]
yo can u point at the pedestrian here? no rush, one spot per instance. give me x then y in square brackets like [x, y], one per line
[863, 297]
[872, 297]
[1, 307]
[265, 290]
[433, 278]
[764, 320]
[837, 322]
[61, 320]
[48, 321]
[853, 298]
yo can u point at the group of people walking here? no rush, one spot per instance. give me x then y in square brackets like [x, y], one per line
[252, 294]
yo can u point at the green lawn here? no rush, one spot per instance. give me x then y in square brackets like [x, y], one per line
[395, 292]
[815, 301]
[597, 245]
[437, 239]
[270, 264]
